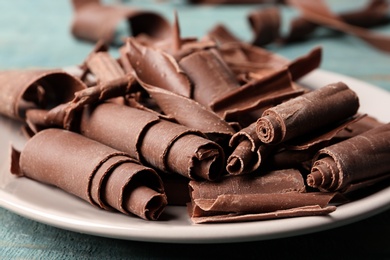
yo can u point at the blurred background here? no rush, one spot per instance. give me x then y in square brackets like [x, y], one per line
[37, 34]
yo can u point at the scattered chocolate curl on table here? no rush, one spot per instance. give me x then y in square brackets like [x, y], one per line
[94, 21]
[105, 177]
[360, 159]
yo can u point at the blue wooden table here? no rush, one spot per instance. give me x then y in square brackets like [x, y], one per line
[37, 34]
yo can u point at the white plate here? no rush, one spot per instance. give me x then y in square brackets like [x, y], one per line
[54, 207]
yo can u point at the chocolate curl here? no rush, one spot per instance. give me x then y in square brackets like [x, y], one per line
[374, 14]
[23, 90]
[94, 21]
[360, 158]
[94, 172]
[253, 197]
[208, 86]
[257, 94]
[157, 68]
[246, 156]
[316, 109]
[162, 144]
[317, 12]
[265, 24]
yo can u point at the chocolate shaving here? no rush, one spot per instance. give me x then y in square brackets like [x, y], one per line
[359, 158]
[316, 109]
[94, 21]
[59, 157]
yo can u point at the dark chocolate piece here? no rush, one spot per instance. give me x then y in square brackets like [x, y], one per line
[308, 112]
[360, 158]
[101, 175]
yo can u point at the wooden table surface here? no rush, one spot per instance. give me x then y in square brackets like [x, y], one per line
[37, 34]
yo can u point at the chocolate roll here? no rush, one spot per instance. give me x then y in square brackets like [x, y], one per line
[248, 151]
[252, 197]
[358, 159]
[307, 113]
[167, 146]
[103, 176]
[23, 90]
